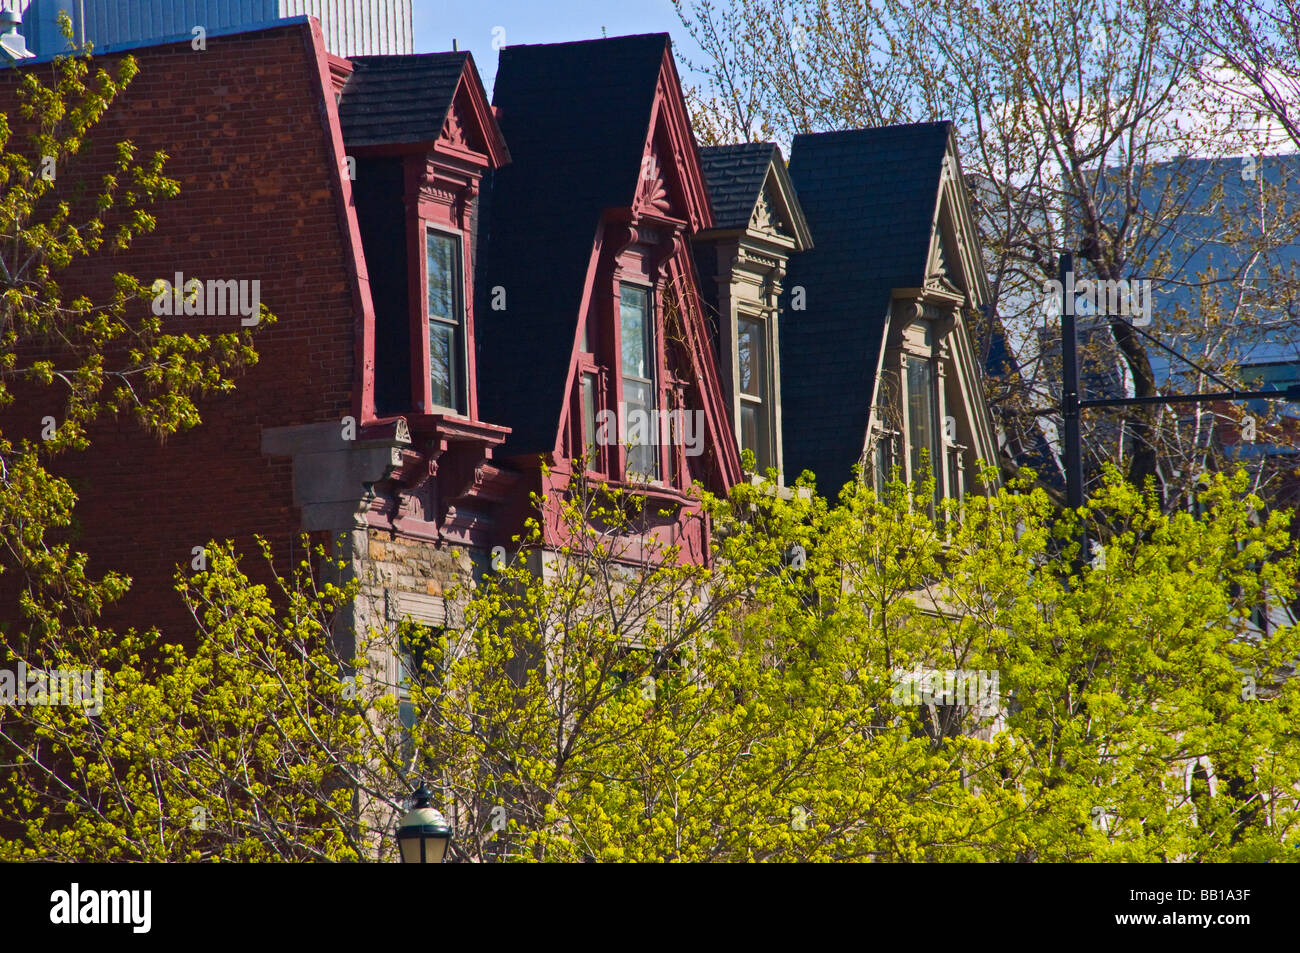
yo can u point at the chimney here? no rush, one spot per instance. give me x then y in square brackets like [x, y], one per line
[12, 43]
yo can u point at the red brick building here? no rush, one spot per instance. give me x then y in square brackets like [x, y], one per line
[471, 297]
[351, 192]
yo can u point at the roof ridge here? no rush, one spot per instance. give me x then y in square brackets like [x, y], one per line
[667, 37]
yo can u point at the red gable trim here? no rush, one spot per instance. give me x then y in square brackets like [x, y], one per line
[470, 87]
[671, 115]
[363, 378]
[683, 280]
[676, 202]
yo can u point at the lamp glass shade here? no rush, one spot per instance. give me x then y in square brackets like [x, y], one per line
[423, 836]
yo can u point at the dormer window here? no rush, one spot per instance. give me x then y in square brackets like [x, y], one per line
[922, 366]
[419, 136]
[758, 225]
[628, 411]
[445, 313]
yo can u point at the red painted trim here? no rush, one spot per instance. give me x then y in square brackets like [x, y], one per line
[682, 268]
[340, 69]
[584, 307]
[670, 141]
[440, 194]
[618, 255]
[670, 105]
[363, 377]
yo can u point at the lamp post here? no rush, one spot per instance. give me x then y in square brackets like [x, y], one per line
[424, 833]
[1072, 403]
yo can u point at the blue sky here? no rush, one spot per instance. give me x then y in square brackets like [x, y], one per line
[472, 24]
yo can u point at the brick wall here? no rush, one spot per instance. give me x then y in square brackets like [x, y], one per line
[244, 125]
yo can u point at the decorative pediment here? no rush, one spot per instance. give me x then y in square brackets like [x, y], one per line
[670, 183]
[470, 125]
[940, 272]
[776, 214]
[944, 271]
[453, 130]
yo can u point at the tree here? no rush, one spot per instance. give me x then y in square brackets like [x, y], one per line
[1250, 50]
[863, 681]
[250, 747]
[1089, 126]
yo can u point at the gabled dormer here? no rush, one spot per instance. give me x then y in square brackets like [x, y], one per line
[880, 368]
[598, 350]
[757, 225]
[420, 135]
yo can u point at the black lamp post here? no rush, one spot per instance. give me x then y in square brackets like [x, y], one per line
[424, 833]
[1072, 402]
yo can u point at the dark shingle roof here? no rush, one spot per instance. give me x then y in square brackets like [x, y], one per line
[398, 99]
[869, 196]
[576, 116]
[735, 176]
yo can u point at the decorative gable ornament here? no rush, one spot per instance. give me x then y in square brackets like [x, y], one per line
[765, 219]
[652, 194]
[453, 130]
[939, 275]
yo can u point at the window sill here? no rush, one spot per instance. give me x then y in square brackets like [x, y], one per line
[451, 428]
[659, 495]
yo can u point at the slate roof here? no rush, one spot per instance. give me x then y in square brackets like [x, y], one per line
[869, 196]
[398, 99]
[576, 116]
[735, 176]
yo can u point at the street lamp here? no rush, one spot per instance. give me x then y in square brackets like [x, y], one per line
[1072, 402]
[424, 833]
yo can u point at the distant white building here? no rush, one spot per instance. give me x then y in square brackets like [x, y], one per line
[350, 27]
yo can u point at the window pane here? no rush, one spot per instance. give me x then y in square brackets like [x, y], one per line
[589, 418]
[441, 257]
[749, 430]
[442, 365]
[642, 430]
[638, 361]
[632, 308]
[922, 425]
[751, 355]
[884, 463]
